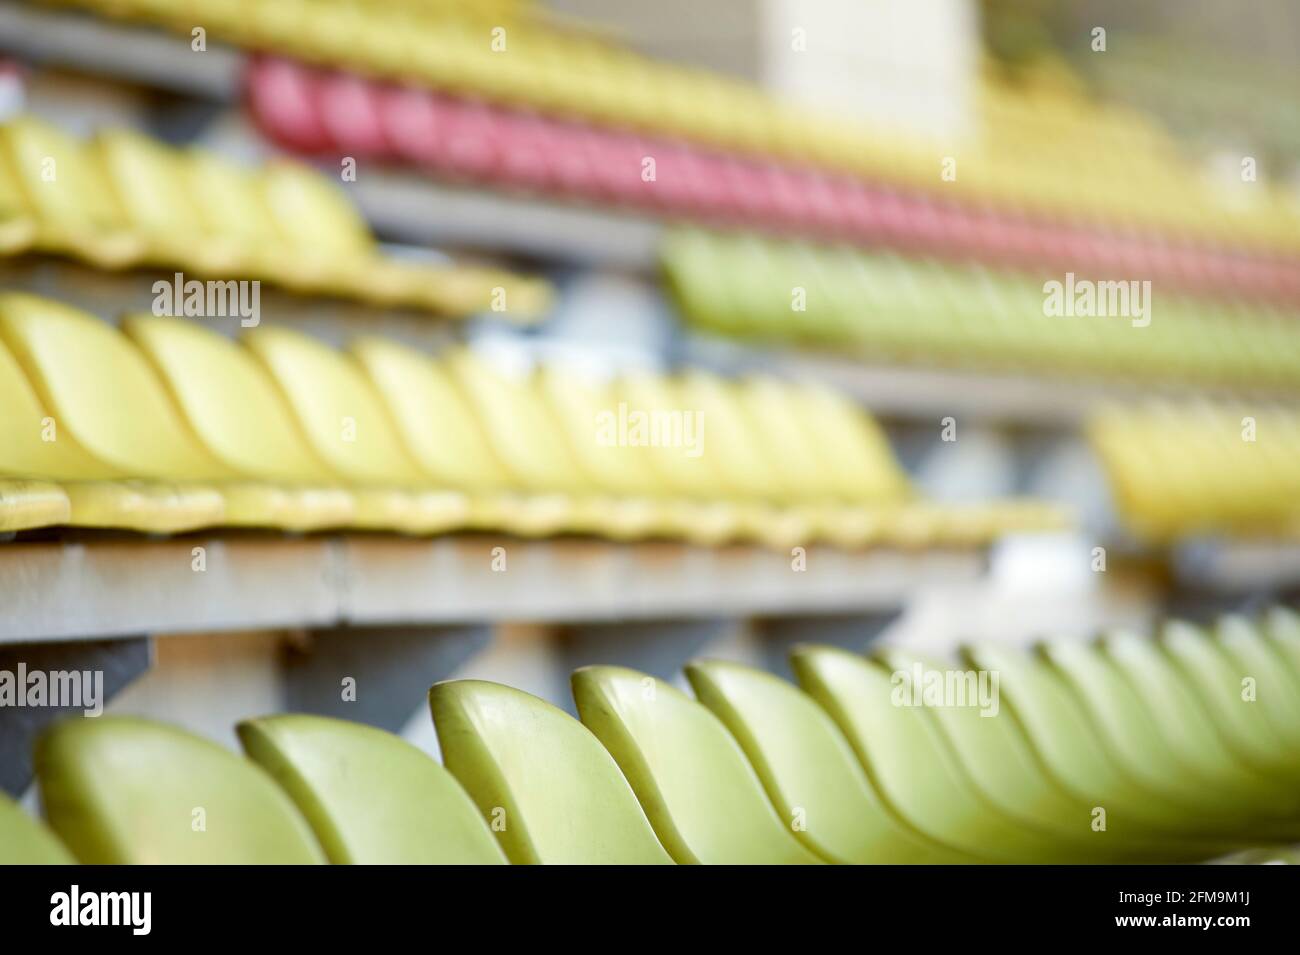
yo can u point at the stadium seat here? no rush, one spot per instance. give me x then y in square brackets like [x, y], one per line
[1059, 728]
[1206, 785]
[700, 793]
[1007, 773]
[232, 408]
[25, 841]
[370, 797]
[902, 751]
[808, 770]
[550, 791]
[38, 442]
[348, 427]
[123, 790]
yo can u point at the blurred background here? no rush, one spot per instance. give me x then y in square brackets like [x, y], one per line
[867, 197]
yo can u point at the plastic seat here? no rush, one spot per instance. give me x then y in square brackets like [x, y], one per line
[911, 764]
[700, 793]
[1277, 689]
[348, 427]
[232, 408]
[369, 796]
[119, 790]
[148, 179]
[76, 211]
[1219, 682]
[1119, 714]
[1186, 722]
[550, 791]
[100, 492]
[808, 769]
[1002, 764]
[439, 428]
[75, 360]
[25, 841]
[1058, 728]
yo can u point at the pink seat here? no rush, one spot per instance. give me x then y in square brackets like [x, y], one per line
[349, 109]
[281, 98]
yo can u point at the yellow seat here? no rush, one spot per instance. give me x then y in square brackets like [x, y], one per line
[348, 427]
[148, 179]
[438, 426]
[40, 440]
[233, 409]
[75, 210]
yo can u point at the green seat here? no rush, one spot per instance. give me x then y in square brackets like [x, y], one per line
[913, 768]
[1007, 773]
[808, 769]
[1162, 762]
[700, 793]
[1219, 683]
[1185, 721]
[123, 790]
[24, 841]
[1056, 726]
[549, 790]
[1277, 689]
[370, 796]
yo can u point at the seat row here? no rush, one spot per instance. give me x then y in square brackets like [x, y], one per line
[1040, 144]
[1196, 469]
[123, 200]
[929, 313]
[166, 425]
[1181, 748]
[333, 113]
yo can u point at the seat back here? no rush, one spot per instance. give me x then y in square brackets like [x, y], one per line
[1118, 713]
[26, 422]
[582, 406]
[370, 796]
[808, 769]
[25, 841]
[1277, 689]
[61, 178]
[695, 784]
[341, 415]
[1221, 685]
[1174, 706]
[996, 756]
[148, 182]
[907, 759]
[101, 391]
[313, 214]
[124, 790]
[436, 422]
[227, 398]
[550, 791]
[519, 428]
